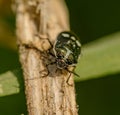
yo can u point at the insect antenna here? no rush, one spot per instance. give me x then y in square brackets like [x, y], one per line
[50, 43]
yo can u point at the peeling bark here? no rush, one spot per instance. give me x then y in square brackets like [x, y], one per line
[36, 22]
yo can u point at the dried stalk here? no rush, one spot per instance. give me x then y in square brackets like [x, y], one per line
[37, 20]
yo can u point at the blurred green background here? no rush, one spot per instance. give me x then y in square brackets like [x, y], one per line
[97, 90]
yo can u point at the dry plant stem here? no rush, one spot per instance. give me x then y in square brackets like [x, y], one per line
[37, 20]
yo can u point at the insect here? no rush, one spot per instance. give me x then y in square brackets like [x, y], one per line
[67, 50]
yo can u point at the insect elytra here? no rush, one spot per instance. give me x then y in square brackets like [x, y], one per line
[67, 49]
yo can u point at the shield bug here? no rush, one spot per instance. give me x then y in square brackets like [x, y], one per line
[67, 50]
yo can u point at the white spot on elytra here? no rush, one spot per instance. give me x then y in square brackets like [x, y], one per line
[68, 52]
[74, 45]
[68, 42]
[65, 35]
[78, 43]
[73, 38]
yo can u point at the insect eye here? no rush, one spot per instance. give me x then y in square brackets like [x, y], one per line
[59, 56]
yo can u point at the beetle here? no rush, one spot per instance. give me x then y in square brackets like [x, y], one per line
[66, 50]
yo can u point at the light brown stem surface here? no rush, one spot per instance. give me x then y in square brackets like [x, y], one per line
[37, 20]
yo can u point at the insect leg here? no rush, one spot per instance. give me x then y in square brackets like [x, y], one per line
[51, 53]
[47, 69]
[67, 81]
[50, 42]
[71, 72]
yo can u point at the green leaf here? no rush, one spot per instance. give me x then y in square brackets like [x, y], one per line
[100, 57]
[12, 97]
[10, 83]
